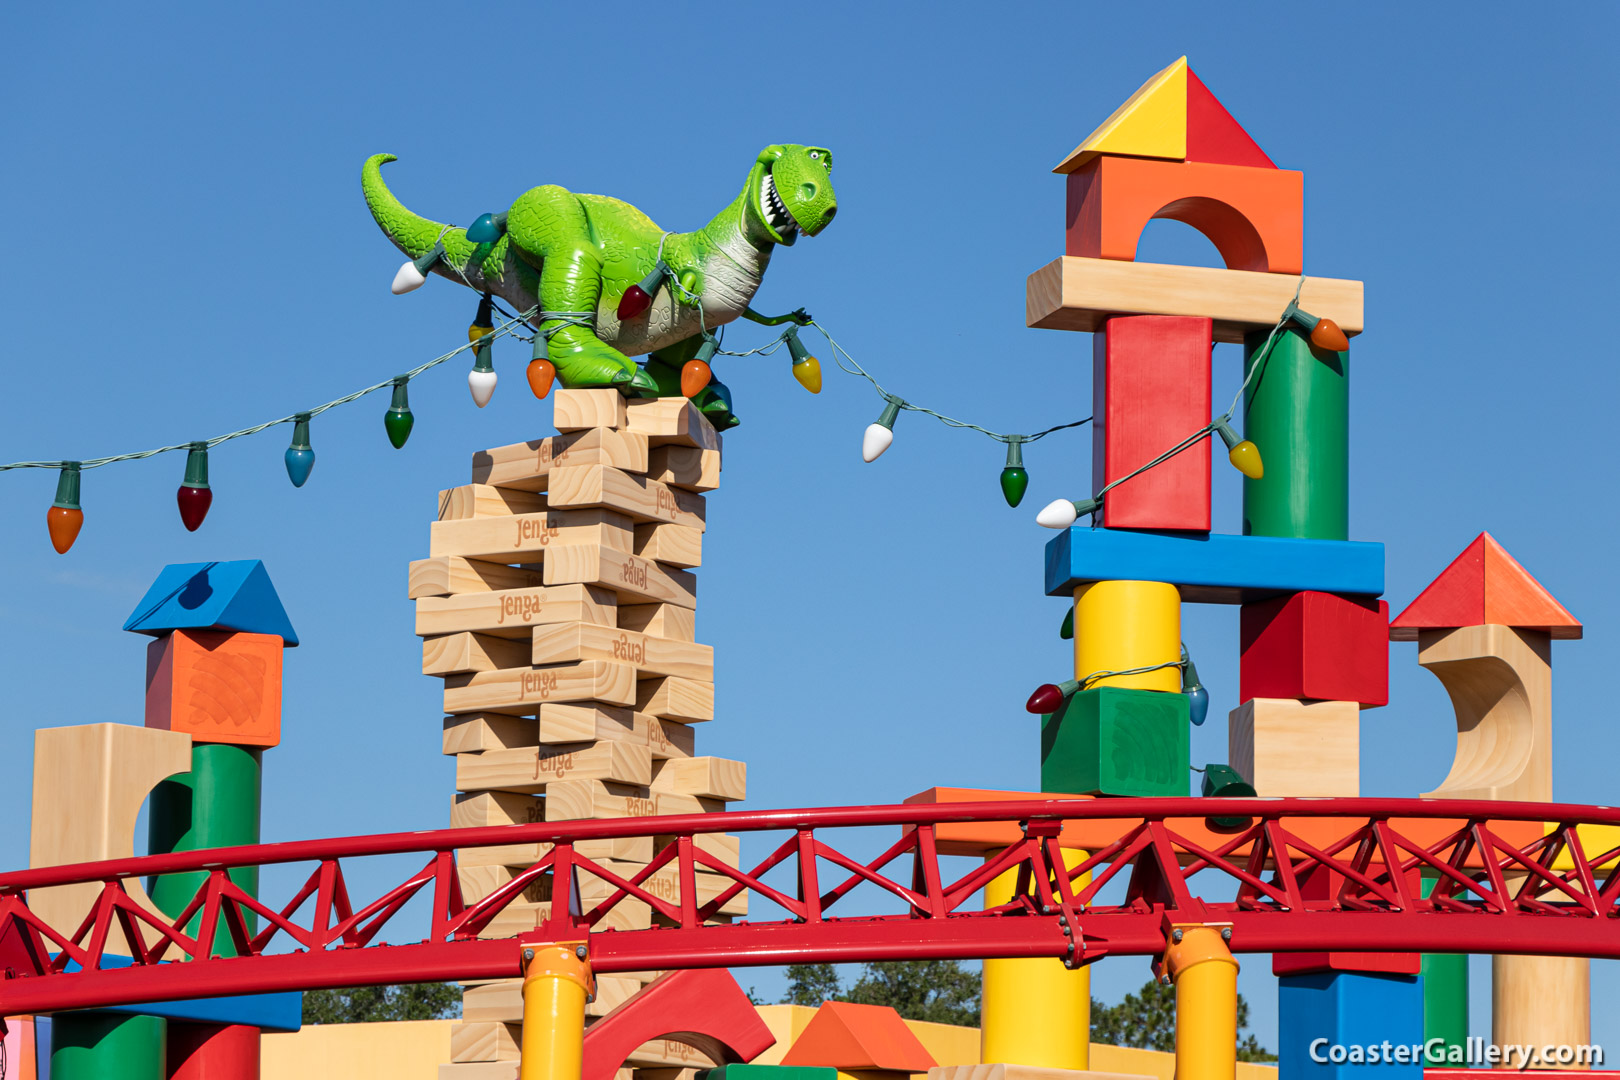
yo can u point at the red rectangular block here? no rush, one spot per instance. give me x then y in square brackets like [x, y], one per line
[1150, 390]
[1316, 645]
[1384, 963]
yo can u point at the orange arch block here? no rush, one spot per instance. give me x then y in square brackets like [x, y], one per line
[216, 686]
[1255, 217]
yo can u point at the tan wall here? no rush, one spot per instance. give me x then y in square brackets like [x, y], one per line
[409, 1050]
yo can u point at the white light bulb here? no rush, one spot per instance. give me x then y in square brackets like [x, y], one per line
[1057, 514]
[482, 385]
[875, 441]
[408, 279]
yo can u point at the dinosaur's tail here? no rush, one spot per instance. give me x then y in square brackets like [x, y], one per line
[410, 232]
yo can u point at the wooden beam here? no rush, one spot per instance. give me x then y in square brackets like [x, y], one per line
[674, 698]
[527, 466]
[685, 467]
[672, 545]
[457, 653]
[488, 731]
[452, 574]
[562, 643]
[671, 420]
[660, 620]
[640, 499]
[525, 538]
[584, 723]
[481, 500]
[523, 690]
[514, 613]
[575, 410]
[530, 769]
[641, 580]
[708, 777]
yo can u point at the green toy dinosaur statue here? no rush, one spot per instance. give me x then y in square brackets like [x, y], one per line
[580, 254]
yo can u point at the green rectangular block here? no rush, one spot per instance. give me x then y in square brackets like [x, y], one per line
[1111, 741]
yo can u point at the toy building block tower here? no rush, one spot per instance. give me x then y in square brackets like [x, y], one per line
[558, 605]
[1485, 628]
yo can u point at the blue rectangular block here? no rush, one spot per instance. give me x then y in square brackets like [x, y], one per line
[1213, 568]
[271, 1012]
[1342, 1025]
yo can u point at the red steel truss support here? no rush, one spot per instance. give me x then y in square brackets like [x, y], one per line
[1541, 892]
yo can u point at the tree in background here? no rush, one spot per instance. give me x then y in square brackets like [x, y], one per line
[376, 1004]
[811, 984]
[938, 991]
[1147, 1019]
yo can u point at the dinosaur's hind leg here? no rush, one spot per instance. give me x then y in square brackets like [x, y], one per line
[713, 401]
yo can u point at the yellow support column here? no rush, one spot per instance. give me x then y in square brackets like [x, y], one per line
[1119, 625]
[556, 983]
[1206, 1002]
[1035, 1011]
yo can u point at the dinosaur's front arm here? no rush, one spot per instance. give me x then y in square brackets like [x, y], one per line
[798, 316]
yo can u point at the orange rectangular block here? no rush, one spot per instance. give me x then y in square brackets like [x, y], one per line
[216, 686]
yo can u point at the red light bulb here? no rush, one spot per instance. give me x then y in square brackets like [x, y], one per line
[195, 497]
[634, 302]
[1045, 699]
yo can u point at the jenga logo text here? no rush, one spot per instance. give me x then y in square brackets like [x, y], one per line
[634, 807]
[523, 606]
[539, 683]
[666, 502]
[626, 649]
[556, 764]
[633, 573]
[534, 528]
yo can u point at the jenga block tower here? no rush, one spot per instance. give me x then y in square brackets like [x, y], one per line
[558, 604]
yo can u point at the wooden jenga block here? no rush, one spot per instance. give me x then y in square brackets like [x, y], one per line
[607, 488]
[530, 769]
[660, 620]
[450, 574]
[480, 1070]
[1286, 747]
[514, 613]
[674, 698]
[685, 467]
[708, 777]
[502, 1001]
[728, 849]
[664, 884]
[575, 410]
[575, 800]
[466, 652]
[562, 643]
[668, 1053]
[520, 918]
[482, 500]
[487, 1041]
[671, 420]
[625, 574]
[527, 466]
[216, 686]
[526, 538]
[487, 731]
[479, 881]
[584, 723]
[479, 809]
[674, 545]
[523, 690]
[668, 802]
[483, 808]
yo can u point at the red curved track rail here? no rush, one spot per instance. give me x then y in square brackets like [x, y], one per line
[1292, 875]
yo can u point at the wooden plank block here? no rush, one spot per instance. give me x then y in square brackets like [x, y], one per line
[562, 643]
[530, 769]
[514, 613]
[525, 538]
[668, 1053]
[660, 620]
[671, 420]
[572, 800]
[673, 545]
[502, 1001]
[464, 652]
[487, 1041]
[664, 884]
[481, 500]
[450, 574]
[674, 698]
[728, 849]
[685, 467]
[709, 777]
[481, 808]
[488, 731]
[523, 690]
[520, 918]
[574, 410]
[584, 723]
[478, 809]
[1078, 294]
[527, 466]
[640, 499]
[625, 574]
[1285, 747]
[480, 1070]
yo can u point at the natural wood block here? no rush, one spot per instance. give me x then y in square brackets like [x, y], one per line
[675, 545]
[728, 849]
[530, 769]
[216, 686]
[671, 420]
[523, 690]
[487, 731]
[1079, 294]
[479, 880]
[628, 848]
[708, 777]
[664, 884]
[562, 643]
[482, 500]
[625, 574]
[668, 802]
[478, 809]
[660, 620]
[584, 723]
[1285, 747]
[464, 652]
[483, 1041]
[675, 698]
[514, 613]
[520, 918]
[525, 538]
[502, 1001]
[1500, 683]
[685, 467]
[1024, 1072]
[451, 574]
[1541, 1001]
[573, 800]
[527, 466]
[668, 1053]
[607, 488]
[480, 1070]
[575, 410]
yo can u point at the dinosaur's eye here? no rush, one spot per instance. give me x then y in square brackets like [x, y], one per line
[815, 155]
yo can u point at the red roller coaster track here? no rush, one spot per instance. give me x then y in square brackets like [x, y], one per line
[1498, 891]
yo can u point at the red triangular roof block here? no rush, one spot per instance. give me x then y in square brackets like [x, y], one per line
[1213, 136]
[846, 1036]
[1484, 585]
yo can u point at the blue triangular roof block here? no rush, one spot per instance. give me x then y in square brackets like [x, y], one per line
[213, 596]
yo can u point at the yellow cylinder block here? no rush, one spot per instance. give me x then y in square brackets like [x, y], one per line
[1206, 1004]
[1120, 625]
[556, 982]
[1035, 1011]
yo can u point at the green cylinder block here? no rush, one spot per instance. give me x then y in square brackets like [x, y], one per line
[215, 805]
[1445, 993]
[108, 1046]
[1296, 410]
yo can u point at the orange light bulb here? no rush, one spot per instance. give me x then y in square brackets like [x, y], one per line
[64, 524]
[541, 375]
[694, 377]
[1327, 335]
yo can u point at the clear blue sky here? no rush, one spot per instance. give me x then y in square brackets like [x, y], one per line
[191, 255]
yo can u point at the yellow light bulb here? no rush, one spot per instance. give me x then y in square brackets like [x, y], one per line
[1245, 458]
[808, 372]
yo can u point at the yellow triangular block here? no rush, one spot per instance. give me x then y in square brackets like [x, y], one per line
[1153, 123]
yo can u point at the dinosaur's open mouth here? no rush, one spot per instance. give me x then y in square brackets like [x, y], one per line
[773, 209]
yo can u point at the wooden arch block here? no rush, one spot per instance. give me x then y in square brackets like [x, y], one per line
[1255, 217]
[1500, 683]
